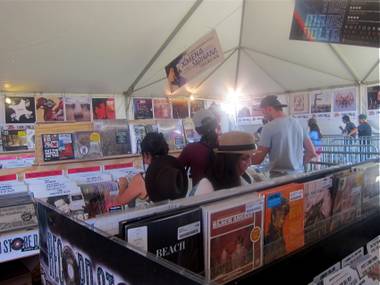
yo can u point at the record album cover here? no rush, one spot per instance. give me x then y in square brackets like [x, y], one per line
[346, 193]
[13, 140]
[300, 103]
[177, 238]
[142, 108]
[233, 237]
[284, 220]
[19, 110]
[162, 108]
[180, 108]
[78, 108]
[99, 198]
[191, 134]
[196, 105]
[318, 204]
[115, 137]
[50, 108]
[103, 108]
[87, 145]
[173, 133]
[57, 147]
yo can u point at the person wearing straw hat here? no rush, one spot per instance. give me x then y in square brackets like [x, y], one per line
[231, 159]
[284, 139]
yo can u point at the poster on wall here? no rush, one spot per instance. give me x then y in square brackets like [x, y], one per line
[180, 109]
[50, 108]
[320, 103]
[103, 108]
[300, 105]
[196, 105]
[19, 110]
[203, 54]
[78, 108]
[373, 97]
[350, 22]
[243, 114]
[143, 108]
[345, 100]
[162, 108]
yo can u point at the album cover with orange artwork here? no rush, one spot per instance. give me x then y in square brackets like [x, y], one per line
[284, 220]
[233, 237]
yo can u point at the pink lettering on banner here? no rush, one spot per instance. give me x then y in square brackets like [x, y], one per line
[83, 169]
[9, 177]
[118, 166]
[40, 174]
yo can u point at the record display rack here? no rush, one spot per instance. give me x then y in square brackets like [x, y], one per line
[103, 254]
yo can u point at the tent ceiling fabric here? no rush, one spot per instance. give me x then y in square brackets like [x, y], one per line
[102, 46]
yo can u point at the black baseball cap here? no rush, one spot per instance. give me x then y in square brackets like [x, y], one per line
[271, 101]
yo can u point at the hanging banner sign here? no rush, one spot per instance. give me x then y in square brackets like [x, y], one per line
[349, 22]
[203, 54]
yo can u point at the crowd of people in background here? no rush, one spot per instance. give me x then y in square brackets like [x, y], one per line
[223, 159]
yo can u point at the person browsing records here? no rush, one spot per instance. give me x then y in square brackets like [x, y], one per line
[165, 178]
[196, 156]
[350, 129]
[284, 139]
[231, 159]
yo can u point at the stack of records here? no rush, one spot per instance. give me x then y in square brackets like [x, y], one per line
[177, 237]
[114, 136]
[13, 140]
[16, 212]
[87, 145]
[173, 133]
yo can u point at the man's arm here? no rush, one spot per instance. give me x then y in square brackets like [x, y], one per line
[309, 150]
[260, 154]
[353, 132]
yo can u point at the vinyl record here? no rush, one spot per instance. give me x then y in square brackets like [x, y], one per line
[71, 275]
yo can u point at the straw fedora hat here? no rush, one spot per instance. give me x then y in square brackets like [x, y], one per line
[236, 142]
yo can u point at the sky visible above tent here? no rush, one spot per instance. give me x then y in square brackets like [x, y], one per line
[103, 47]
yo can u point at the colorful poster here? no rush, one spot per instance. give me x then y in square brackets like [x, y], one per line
[78, 108]
[203, 54]
[320, 103]
[103, 108]
[180, 109]
[196, 105]
[345, 100]
[162, 109]
[57, 147]
[20, 110]
[346, 22]
[300, 103]
[50, 108]
[373, 97]
[143, 108]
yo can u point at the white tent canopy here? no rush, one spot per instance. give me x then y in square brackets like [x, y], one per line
[102, 47]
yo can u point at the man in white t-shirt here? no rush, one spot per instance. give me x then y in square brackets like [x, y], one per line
[284, 139]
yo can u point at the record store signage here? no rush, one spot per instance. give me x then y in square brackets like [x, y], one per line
[18, 244]
[203, 54]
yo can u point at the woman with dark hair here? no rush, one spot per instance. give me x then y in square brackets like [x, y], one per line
[315, 136]
[165, 178]
[196, 156]
[229, 163]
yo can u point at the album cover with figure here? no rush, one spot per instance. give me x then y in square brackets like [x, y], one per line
[87, 145]
[233, 237]
[284, 220]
